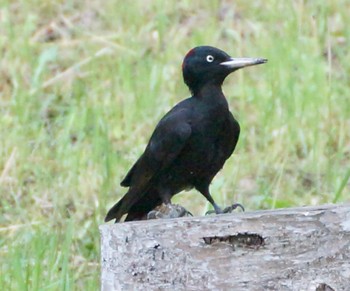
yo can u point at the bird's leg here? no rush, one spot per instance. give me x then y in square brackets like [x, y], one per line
[205, 192]
[168, 210]
[217, 209]
[228, 209]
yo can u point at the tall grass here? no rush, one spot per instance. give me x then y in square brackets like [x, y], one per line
[84, 83]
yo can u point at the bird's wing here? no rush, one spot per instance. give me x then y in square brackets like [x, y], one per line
[126, 182]
[229, 136]
[173, 124]
[166, 143]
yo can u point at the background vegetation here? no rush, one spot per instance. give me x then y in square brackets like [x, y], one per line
[83, 83]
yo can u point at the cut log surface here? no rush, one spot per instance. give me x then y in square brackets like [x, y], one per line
[304, 248]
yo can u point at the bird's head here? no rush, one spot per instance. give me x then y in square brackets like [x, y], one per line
[209, 65]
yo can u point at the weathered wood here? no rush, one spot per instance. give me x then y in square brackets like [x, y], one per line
[290, 249]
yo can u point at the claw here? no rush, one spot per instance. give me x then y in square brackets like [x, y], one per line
[209, 212]
[168, 211]
[184, 212]
[154, 214]
[229, 209]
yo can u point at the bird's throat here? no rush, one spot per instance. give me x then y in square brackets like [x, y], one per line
[212, 94]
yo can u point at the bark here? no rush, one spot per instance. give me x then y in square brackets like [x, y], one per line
[304, 248]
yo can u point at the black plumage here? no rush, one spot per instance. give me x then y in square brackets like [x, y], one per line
[191, 142]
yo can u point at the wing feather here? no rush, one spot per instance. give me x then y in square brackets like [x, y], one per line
[166, 143]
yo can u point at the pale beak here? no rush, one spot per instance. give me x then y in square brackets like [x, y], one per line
[236, 63]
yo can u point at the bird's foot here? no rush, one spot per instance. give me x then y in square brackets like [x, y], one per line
[234, 206]
[228, 209]
[168, 211]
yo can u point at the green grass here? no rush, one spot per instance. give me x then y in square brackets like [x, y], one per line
[84, 83]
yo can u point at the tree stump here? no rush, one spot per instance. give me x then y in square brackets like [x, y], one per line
[305, 248]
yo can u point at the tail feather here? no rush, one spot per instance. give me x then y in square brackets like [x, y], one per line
[116, 212]
[123, 205]
[132, 198]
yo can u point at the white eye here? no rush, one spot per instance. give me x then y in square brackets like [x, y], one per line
[210, 58]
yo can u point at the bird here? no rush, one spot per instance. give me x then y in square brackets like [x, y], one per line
[191, 143]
